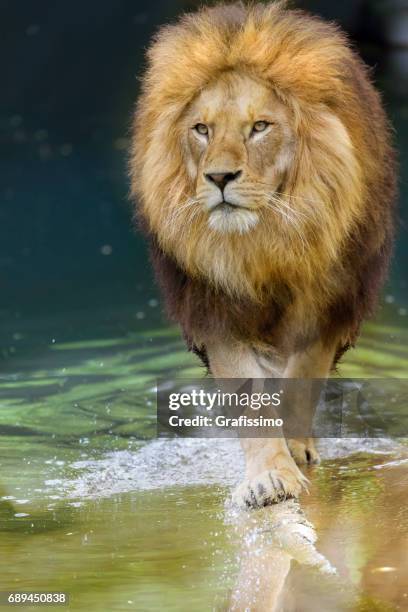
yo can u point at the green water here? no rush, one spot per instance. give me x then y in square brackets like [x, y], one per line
[74, 518]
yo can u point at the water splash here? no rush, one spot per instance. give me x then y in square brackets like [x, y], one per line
[162, 464]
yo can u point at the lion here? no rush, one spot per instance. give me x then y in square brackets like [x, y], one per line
[264, 175]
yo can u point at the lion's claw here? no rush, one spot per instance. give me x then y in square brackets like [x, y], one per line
[268, 487]
[303, 451]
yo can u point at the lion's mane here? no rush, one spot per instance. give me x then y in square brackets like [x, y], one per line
[322, 282]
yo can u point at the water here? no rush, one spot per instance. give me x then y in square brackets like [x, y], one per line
[92, 504]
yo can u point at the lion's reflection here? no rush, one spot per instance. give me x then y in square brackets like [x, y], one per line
[270, 538]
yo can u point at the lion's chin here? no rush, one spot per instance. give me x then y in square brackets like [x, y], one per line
[226, 220]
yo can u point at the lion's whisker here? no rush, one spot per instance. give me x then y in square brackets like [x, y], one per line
[293, 221]
[289, 195]
[281, 206]
[282, 202]
[176, 213]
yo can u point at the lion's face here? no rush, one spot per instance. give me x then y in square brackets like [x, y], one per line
[239, 145]
[241, 181]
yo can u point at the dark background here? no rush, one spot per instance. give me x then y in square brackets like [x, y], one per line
[69, 83]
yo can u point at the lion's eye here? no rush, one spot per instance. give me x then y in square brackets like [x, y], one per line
[260, 126]
[201, 128]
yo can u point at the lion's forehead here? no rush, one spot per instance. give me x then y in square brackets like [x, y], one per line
[236, 98]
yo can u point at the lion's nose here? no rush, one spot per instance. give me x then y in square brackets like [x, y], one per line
[222, 178]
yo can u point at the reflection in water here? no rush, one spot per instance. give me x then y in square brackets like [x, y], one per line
[358, 505]
[270, 538]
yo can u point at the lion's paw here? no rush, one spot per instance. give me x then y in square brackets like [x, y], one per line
[303, 451]
[269, 487]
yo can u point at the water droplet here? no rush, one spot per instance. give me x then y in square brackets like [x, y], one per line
[106, 249]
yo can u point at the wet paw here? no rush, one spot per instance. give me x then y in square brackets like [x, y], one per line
[303, 451]
[269, 487]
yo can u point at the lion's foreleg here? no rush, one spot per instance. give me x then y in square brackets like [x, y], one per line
[310, 367]
[271, 473]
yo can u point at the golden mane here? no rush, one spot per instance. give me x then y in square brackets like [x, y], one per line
[342, 164]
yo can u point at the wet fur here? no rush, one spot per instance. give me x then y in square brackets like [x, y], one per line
[289, 290]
